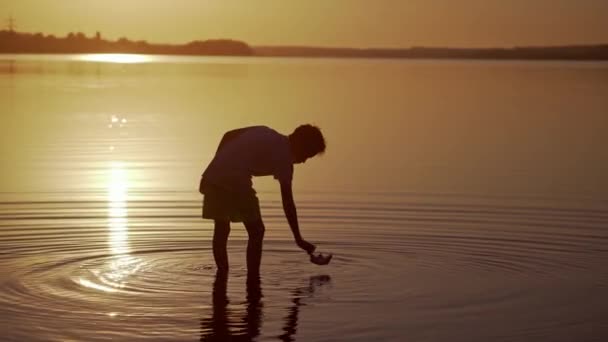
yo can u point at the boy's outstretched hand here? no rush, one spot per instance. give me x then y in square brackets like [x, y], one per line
[292, 217]
[305, 245]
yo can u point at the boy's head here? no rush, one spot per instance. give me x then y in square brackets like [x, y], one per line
[306, 141]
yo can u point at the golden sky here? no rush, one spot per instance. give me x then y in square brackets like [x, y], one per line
[357, 23]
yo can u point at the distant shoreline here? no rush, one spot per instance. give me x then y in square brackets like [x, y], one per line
[12, 42]
[3, 58]
[559, 53]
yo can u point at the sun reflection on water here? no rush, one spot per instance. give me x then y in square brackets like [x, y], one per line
[114, 275]
[123, 58]
[117, 214]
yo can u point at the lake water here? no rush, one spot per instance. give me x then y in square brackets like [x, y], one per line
[463, 200]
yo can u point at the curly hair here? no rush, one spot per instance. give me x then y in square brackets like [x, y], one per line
[309, 138]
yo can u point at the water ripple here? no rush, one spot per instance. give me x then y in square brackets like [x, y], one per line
[68, 263]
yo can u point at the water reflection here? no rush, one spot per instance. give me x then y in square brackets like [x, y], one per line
[216, 327]
[224, 325]
[116, 121]
[113, 276]
[123, 58]
[8, 67]
[117, 214]
[123, 265]
[291, 321]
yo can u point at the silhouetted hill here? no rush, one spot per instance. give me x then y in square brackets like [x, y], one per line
[19, 42]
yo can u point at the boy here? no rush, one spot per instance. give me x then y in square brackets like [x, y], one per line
[227, 187]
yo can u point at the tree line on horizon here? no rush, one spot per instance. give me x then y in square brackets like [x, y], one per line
[21, 42]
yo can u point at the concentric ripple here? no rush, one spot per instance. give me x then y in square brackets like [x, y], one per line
[519, 270]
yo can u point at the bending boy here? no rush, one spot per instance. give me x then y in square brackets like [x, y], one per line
[227, 187]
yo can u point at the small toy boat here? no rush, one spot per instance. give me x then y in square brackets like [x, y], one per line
[320, 258]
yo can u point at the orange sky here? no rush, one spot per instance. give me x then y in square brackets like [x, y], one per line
[358, 23]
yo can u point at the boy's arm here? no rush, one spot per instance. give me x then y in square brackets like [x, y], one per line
[292, 217]
[230, 135]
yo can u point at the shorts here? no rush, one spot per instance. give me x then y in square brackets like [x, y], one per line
[225, 205]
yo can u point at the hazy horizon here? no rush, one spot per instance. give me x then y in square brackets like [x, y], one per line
[340, 23]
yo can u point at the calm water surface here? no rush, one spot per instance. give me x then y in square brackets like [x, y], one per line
[464, 201]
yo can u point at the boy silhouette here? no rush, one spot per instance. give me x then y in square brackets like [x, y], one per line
[227, 187]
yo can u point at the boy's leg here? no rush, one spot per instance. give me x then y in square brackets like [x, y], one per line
[255, 229]
[220, 240]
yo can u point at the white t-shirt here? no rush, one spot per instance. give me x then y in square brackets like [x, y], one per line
[258, 151]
